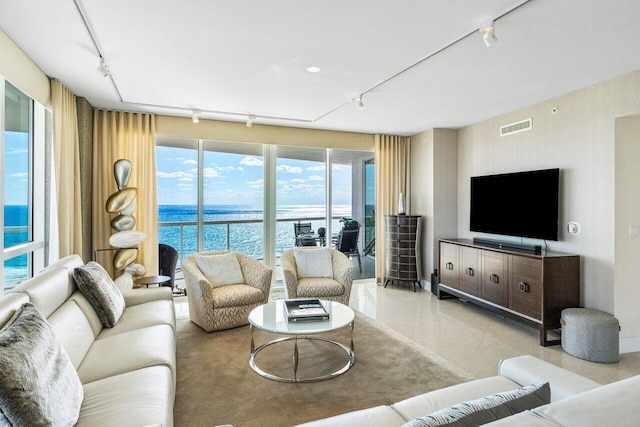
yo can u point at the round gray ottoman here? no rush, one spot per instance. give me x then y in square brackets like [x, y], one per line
[590, 335]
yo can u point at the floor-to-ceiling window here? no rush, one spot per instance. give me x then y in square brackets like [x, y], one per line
[301, 192]
[247, 197]
[23, 189]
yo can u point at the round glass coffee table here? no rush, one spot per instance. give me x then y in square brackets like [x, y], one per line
[272, 317]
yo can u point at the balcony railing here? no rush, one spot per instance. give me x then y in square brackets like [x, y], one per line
[242, 235]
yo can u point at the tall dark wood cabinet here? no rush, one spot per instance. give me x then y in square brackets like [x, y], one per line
[530, 288]
[403, 249]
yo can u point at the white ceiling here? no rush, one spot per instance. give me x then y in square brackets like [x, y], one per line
[236, 58]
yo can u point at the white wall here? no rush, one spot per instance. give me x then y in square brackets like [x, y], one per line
[627, 248]
[580, 139]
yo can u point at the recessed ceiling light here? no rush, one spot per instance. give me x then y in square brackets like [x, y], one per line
[313, 70]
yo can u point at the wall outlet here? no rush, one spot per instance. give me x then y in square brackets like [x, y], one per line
[633, 231]
[573, 228]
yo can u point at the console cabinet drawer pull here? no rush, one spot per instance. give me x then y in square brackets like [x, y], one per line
[494, 278]
[449, 266]
[470, 272]
[523, 287]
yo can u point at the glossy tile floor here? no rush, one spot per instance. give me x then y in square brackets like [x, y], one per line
[469, 336]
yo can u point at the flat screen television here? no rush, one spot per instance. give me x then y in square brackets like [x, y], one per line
[523, 204]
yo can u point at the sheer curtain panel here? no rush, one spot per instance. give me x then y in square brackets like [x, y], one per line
[66, 159]
[131, 136]
[393, 170]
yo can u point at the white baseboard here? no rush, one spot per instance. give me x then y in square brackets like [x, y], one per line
[629, 345]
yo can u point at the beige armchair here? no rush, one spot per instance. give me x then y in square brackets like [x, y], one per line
[337, 288]
[224, 307]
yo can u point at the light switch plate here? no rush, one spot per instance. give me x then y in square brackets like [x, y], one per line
[633, 231]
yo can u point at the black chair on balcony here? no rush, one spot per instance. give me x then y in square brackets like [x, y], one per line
[167, 261]
[348, 243]
[303, 235]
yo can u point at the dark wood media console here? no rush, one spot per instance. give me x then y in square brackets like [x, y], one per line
[530, 288]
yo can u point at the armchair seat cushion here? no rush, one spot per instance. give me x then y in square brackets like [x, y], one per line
[318, 287]
[236, 295]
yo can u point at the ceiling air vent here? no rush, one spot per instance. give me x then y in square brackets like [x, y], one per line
[520, 126]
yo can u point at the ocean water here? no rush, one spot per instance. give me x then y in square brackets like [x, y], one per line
[16, 221]
[238, 231]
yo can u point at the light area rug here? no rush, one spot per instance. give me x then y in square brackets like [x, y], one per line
[216, 385]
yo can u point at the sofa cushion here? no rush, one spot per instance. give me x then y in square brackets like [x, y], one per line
[435, 400]
[126, 352]
[487, 409]
[614, 404]
[48, 290]
[49, 391]
[221, 269]
[142, 315]
[378, 416]
[105, 297]
[139, 398]
[319, 287]
[313, 262]
[73, 330]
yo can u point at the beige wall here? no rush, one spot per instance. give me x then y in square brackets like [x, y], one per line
[183, 127]
[434, 159]
[580, 139]
[627, 248]
[22, 72]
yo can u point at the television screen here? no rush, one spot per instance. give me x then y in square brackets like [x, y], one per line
[521, 204]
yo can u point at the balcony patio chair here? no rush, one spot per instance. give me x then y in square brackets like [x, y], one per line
[348, 243]
[300, 231]
[167, 261]
[223, 287]
[323, 273]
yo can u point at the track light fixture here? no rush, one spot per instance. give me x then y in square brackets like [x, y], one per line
[488, 33]
[359, 103]
[103, 69]
[196, 116]
[250, 120]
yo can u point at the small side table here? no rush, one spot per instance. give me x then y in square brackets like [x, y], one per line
[151, 280]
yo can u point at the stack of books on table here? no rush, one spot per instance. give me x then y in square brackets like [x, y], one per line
[305, 310]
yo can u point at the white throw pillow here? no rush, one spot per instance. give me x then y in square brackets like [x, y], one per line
[220, 270]
[313, 262]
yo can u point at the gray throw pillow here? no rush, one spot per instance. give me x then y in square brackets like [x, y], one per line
[103, 294]
[38, 384]
[491, 408]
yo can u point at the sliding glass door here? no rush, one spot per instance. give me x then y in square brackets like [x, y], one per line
[250, 198]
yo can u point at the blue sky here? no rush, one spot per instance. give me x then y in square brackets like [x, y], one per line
[16, 168]
[236, 179]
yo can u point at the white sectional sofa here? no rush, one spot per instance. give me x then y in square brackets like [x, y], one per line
[128, 372]
[575, 400]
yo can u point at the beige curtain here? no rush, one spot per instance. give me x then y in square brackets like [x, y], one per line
[131, 136]
[66, 158]
[393, 170]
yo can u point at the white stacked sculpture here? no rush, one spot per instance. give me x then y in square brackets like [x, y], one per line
[125, 239]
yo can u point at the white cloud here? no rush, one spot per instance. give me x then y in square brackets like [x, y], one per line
[297, 181]
[316, 168]
[316, 178]
[185, 178]
[176, 174]
[290, 169]
[210, 173]
[251, 161]
[189, 162]
[18, 175]
[184, 185]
